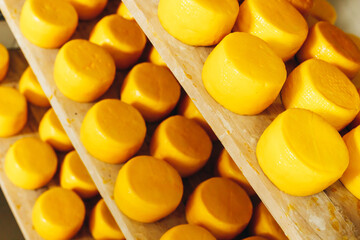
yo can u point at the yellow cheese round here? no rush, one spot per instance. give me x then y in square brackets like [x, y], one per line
[331, 44]
[323, 11]
[188, 109]
[88, 9]
[83, 71]
[112, 131]
[221, 206]
[58, 214]
[152, 90]
[30, 163]
[264, 225]
[147, 189]
[313, 154]
[322, 88]
[226, 167]
[182, 143]
[276, 22]
[187, 231]
[122, 38]
[198, 22]
[13, 111]
[4, 62]
[124, 12]
[52, 132]
[31, 89]
[243, 74]
[102, 224]
[74, 176]
[351, 177]
[48, 24]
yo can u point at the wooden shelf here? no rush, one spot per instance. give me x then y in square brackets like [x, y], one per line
[21, 201]
[332, 214]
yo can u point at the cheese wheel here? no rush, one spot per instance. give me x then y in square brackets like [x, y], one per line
[48, 24]
[83, 71]
[221, 206]
[112, 131]
[30, 163]
[188, 109]
[31, 89]
[187, 231]
[147, 189]
[52, 132]
[322, 88]
[154, 57]
[122, 38]
[182, 143]
[74, 176]
[4, 62]
[124, 12]
[351, 177]
[331, 44]
[323, 11]
[276, 22]
[264, 225]
[226, 167]
[306, 167]
[58, 214]
[102, 224]
[198, 22]
[13, 111]
[302, 6]
[88, 9]
[152, 90]
[243, 74]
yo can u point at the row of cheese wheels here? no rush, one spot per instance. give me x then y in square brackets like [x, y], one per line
[31, 163]
[59, 213]
[245, 73]
[19, 162]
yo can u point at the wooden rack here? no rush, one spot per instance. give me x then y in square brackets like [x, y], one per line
[21, 201]
[332, 214]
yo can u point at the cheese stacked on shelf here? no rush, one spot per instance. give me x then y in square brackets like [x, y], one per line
[114, 131]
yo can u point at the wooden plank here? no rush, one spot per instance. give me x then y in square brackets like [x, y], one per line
[322, 216]
[71, 114]
[21, 201]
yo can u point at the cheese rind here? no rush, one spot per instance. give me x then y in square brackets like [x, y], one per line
[301, 153]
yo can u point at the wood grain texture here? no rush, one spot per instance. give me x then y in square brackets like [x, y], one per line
[21, 201]
[332, 214]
